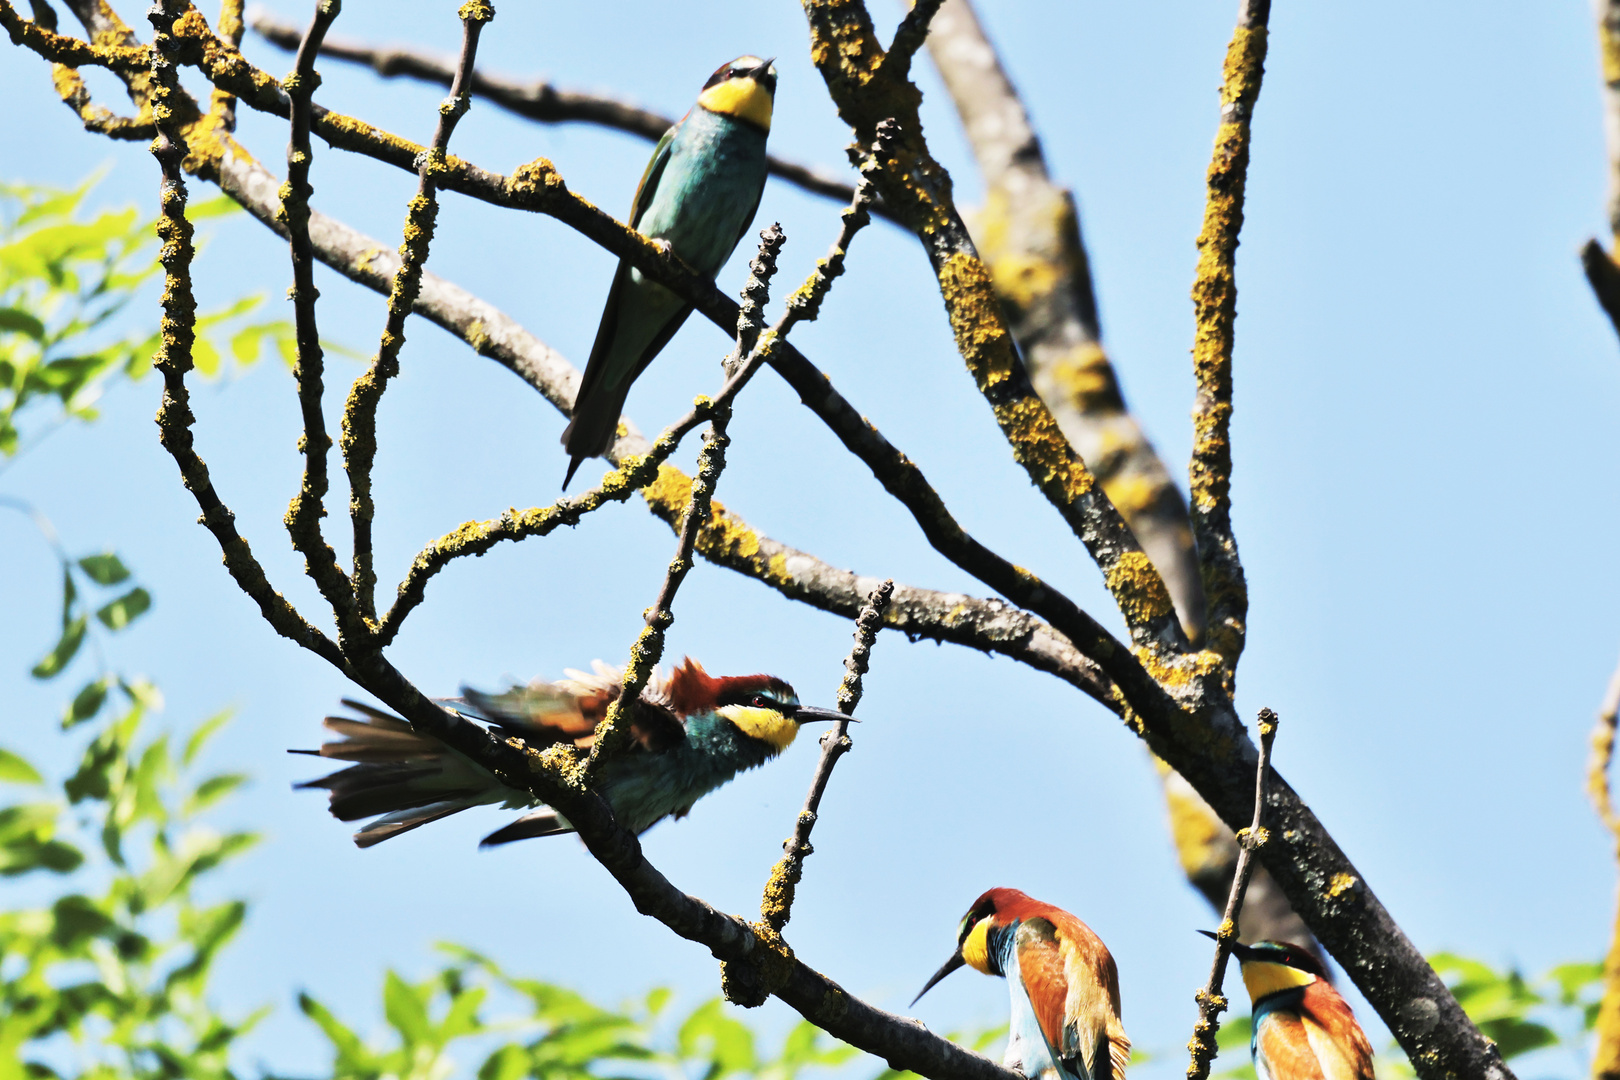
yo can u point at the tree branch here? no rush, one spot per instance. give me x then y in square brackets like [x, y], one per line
[173, 359]
[776, 906]
[535, 99]
[1214, 296]
[1028, 233]
[359, 440]
[1211, 1002]
[304, 513]
[880, 103]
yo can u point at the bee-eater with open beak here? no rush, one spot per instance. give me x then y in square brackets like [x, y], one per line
[1301, 1028]
[698, 195]
[691, 734]
[1065, 989]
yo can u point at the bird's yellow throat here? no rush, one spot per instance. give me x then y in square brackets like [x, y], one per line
[976, 947]
[1263, 979]
[745, 99]
[767, 725]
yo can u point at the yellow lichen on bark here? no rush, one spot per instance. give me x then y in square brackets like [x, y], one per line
[1138, 589]
[976, 322]
[1041, 447]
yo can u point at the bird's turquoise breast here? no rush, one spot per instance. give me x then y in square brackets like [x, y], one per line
[709, 189]
[644, 789]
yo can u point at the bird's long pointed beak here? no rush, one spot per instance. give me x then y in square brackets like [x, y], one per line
[951, 965]
[762, 70]
[1237, 948]
[808, 714]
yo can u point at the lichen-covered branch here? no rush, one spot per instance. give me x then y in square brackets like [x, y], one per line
[1606, 1058]
[1211, 1002]
[614, 730]
[1187, 719]
[1214, 296]
[536, 99]
[303, 519]
[776, 906]
[359, 439]
[879, 102]
[178, 334]
[1028, 234]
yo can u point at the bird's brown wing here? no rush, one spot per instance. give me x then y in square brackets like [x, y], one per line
[1341, 1047]
[544, 713]
[1282, 1042]
[1092, 1030]
[1041, 967]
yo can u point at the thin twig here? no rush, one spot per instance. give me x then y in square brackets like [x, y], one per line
[306, 510]
[1210, 999]
[535, 99]
[614, 729]
[230, 27]
[776, 907]
[1214, 295]
[173, 359]
[360, 412]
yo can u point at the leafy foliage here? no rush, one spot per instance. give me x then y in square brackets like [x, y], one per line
[66, 274]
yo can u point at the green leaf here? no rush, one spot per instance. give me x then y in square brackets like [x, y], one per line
[16, 770]
[219, 206]
[87, 702]
[726, 1043]
[104, 569]
[20, 322]
[1575, 977]
[405, 1010]
[212, 790]
[67, 646]
[204, 732]
[125, 610]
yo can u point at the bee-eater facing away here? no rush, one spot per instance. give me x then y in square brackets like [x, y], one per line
[1302, 1029]
[699, 195]
[1065, 989]
[691, 734]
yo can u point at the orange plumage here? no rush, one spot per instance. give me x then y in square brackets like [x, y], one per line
[1303, 1029]
[1064, 986]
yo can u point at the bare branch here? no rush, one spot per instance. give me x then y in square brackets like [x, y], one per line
[1211, 1002]
[1028, 233]
[173, 358]
[1214, 296]
[880, 104]
[776, 907]
[536, 99]
[304, 514]
[359, 439]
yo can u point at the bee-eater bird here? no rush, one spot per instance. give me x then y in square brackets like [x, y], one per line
[1065, 989]
[698, 195]
[691, 733]
[1301, 1028]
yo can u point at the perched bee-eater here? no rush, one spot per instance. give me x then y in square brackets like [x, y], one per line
[691, 733]
[1301, 1028]
[698, 195]
[1065, 988]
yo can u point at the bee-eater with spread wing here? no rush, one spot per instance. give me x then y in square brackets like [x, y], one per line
[698, 195]
[1065, 989]
[1302, 1029]
[691, 734]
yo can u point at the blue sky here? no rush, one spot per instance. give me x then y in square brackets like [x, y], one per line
[1424, 499]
